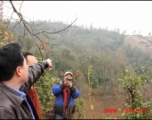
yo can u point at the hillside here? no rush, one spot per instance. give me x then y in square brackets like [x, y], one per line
[144, 43]
[115, 97]
[99, 56]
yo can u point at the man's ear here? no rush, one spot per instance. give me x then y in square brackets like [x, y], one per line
[18, 71]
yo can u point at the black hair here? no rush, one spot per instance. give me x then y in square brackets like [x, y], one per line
[25, 54]
[10, 59]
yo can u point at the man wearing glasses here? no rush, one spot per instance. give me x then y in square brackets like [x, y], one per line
[65, 93]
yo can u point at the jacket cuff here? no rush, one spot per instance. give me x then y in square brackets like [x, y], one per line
[46, 64]
[73, 89]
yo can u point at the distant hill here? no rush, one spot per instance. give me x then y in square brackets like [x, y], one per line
[144, 43]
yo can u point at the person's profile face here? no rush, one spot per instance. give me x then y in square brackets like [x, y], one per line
[24, 71]
[31, 60]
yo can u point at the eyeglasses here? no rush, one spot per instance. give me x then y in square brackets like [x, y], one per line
[69, 79]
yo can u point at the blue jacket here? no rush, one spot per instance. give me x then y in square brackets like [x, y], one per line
[57, 91]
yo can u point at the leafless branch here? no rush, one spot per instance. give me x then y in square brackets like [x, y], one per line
[33, 30]
[16, 25]
[21, 6]
[58, 30]
[39, 50]
[9, 20]
[24, 32]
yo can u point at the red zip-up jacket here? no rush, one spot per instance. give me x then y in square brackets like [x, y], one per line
[35, 99]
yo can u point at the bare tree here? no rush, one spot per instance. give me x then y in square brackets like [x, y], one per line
[31, 29]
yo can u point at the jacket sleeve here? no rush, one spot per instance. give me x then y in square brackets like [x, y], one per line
[6, 114]
[34, 73]
[75, 92]
[57, 89]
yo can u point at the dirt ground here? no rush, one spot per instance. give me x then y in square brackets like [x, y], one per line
[96, 101]
[102, 102]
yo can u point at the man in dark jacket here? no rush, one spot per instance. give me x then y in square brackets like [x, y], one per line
[65, 94]
[15, 81]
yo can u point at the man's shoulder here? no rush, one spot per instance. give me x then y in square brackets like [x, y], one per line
[7, 107]
[5, 101]
[8, 96]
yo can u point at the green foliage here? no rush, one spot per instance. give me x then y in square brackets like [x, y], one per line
[95, 83]
[89, 72]
[80, 103]
[5, 35]
[103, 79]
[44, 88]
[92, 80]
[133, 82]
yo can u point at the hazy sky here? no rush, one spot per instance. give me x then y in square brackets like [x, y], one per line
[125, 15]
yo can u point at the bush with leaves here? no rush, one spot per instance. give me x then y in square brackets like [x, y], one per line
[6, 36]
[44, 88]
[79, 108]
[133, 81]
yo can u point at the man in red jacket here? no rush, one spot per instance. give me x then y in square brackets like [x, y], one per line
[30, 59]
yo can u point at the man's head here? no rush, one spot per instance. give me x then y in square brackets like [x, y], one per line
[68, 77]
[12, 63]
[30, 59]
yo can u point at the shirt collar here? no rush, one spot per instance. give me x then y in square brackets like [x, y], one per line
[18, 92]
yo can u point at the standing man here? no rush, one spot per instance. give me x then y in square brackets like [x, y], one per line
[16, 78]
[65, 93]
[30, 59]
